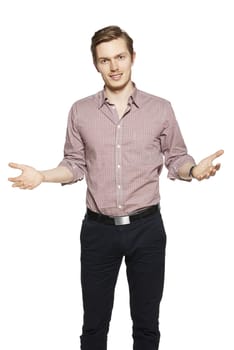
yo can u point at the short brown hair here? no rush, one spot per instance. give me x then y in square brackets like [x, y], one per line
[107, 34]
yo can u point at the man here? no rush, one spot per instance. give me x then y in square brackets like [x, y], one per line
[117, 139]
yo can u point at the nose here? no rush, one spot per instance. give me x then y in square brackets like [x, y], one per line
[113, 66]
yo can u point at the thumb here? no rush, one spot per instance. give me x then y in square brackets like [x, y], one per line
[217, 154]
[16, 166]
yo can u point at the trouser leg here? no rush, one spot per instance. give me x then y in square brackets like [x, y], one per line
[100, 263]
[145, 271]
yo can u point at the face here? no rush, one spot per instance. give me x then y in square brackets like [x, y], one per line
[114, 62]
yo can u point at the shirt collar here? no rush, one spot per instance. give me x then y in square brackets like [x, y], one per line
[102, 99]
[135, 96]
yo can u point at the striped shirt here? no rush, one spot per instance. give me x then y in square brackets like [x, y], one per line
[122, 158]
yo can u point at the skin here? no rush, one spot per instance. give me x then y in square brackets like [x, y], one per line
[114, 63]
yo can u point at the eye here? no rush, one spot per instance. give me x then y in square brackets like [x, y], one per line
[121, 57]
[103, 61]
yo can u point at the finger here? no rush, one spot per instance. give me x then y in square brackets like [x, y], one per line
[217, 154]
[213, 169]
[17, 184]
[204, 176]
[15, 179]
[21, 185]
[213, 172]
[25, 187]
[217, 166]
[200, 177]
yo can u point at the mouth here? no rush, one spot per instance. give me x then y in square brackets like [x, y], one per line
[115, 77]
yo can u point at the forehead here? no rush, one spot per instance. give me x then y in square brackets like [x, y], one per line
[111, 48]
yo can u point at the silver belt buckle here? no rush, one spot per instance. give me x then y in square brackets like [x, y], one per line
[122, 220]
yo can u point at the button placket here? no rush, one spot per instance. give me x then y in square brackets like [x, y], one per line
[119, 194]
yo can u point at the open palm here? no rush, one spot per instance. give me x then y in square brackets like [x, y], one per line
[28, 179]
[205, 168]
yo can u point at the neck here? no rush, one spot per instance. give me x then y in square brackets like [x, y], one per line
[119, 96]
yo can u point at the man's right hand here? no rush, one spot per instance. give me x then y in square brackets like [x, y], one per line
[29, 179]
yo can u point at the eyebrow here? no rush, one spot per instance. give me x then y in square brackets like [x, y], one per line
[107, 58]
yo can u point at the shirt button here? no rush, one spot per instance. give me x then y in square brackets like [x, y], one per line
[120, 206]
[118, 126]
[118, 166]
[119, 186]
[118, 146]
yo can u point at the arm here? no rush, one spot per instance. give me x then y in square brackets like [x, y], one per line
[30, 178]
[177, 159]
[70, 170]
[179, 163]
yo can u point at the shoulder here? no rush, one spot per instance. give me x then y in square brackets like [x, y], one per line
[87, 101]
[84, 106]
[145, 97]
[154, 103]
[158, 107]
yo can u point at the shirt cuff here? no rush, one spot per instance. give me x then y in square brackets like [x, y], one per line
[78, 175]
[177, 164]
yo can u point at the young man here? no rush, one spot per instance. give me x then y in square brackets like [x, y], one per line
[117, 139]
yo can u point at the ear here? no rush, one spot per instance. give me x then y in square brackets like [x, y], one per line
[95, 65]
[133, 57]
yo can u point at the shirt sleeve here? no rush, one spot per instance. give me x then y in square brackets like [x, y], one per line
[74, 150]
[173, 145]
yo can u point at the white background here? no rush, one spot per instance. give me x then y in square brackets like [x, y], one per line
[184, 54]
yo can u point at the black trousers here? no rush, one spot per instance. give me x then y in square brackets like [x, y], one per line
[103, 246]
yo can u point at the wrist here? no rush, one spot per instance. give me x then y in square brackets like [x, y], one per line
[191, 171]
[43, 177]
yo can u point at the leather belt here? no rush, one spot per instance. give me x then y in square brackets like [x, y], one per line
[121, 220]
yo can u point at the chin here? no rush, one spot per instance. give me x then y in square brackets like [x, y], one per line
[117, 86]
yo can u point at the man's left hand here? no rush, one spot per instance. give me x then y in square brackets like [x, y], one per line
[205, 168]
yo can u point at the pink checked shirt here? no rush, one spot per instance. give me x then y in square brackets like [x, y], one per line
[122, 158]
